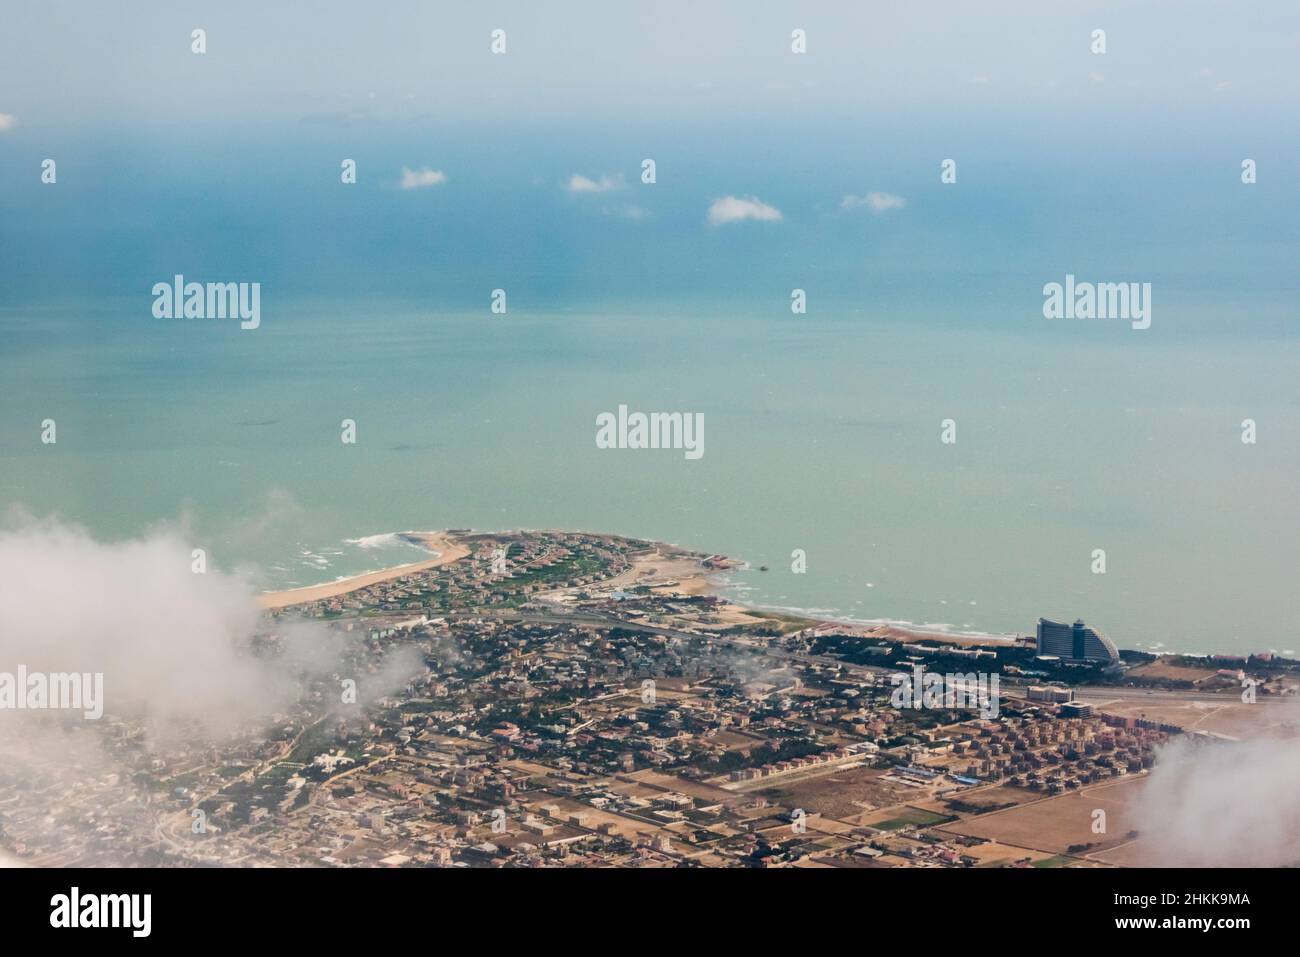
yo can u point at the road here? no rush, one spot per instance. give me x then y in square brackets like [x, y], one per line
[1090, 695]
[611, 621]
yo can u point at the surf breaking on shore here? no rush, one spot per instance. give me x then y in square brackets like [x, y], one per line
[699, 578]
[445, 548]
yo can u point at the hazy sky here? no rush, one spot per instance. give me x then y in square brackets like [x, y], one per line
[126, 65]
[1058, 146]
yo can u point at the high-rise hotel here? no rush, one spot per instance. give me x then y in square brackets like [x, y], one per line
[1075, 642]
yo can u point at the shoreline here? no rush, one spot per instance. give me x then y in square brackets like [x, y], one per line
[446, 548]
[700, 580]
[939, 632]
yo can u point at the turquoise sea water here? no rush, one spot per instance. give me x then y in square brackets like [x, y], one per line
[822, 431]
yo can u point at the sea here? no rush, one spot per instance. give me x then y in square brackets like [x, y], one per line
[1096, 471]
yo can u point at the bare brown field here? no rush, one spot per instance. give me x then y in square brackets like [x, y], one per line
[1130, 854]
[735, 740]
[1217, 714]
[623, 826]
[626, 786]
[845, 795]
[987, 799]
[993, 854]
[1167, 670]
[531, 768]
[655, 783]
[1055, 824]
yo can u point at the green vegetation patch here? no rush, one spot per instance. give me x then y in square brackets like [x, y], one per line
[913, 817]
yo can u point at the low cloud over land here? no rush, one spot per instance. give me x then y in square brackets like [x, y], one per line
[171, 644]
[1222, 804]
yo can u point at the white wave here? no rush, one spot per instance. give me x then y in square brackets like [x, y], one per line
[382, 540]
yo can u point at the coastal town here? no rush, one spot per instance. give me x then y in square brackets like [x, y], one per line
[538, 699]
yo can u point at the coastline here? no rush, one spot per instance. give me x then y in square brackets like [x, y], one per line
[446, 547]
[690, 577]
[684, 566]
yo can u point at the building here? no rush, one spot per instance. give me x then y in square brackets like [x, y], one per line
[1075, 642]
[1049, 693]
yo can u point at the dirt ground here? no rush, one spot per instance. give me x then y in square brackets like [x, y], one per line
[1054, 824]
[847, 795]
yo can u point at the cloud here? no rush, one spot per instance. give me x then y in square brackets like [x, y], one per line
[186, 659]
[7, 122]
[1222, 804]
[876, 202]
[732, 209]
[172, 645]
[581, 184]
[420, 178]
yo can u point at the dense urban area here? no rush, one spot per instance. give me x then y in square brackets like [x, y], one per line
[572, 699]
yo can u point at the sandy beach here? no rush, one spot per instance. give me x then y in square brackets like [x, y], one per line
[675, 571]
[449, 550]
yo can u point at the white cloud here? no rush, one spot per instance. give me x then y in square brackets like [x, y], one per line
[175, 652]
[7, 122]
[876, 202]
[581, 184]
[420, 178]
[1222, 804]
[732, 209]
[170, 643]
